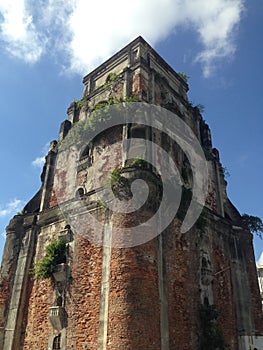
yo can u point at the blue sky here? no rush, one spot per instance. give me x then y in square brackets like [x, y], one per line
[48, 46]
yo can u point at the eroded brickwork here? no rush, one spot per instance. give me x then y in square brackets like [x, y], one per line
[182, 278]
[133, 295]
[223, 289]
[83, 298]
[38, 327]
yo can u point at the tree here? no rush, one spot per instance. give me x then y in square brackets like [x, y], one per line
[253, 223]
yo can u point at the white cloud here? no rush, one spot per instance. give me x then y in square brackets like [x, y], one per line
[110, 26]
[19, 32]
[11, 207]
[217, 32]
[88, 32]
[39, 162]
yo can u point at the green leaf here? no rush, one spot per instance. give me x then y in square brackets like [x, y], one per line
[253, 223]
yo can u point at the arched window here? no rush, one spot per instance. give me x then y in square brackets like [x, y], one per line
[85, 152]
[80, 192]
[57, 342]
[85, 158]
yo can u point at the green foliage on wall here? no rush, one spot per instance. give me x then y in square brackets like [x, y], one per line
[115, 175]
[55, 254]
[100, 114]
[22, 212]
[139, 163]
[81, 103]
[111, 79]
[184, 76]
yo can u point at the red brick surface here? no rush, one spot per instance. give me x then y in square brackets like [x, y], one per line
[134, 314]
[182, 267]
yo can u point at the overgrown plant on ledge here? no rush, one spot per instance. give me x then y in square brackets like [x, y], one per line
[199, 106]
[139, 163]
[22, 212]
[97, 117]
[55, 254]
[81, 103]
[115, 175]
[112, 101]
[112, 78]
[184, 76]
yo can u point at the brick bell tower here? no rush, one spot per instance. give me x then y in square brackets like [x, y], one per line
[172, 291]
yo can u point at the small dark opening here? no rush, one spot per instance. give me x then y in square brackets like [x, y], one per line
[204, 262]
[59, 301]
[85, 153]
[57, 342]
[80, 193]
[206, 302]
[138, 131]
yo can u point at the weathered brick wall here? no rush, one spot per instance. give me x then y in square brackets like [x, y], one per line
[41, 296]
[223, 287]
[38, 327]
[83, 296]
[106, 155]
[134, 312]
[134, 300]
[182, 278]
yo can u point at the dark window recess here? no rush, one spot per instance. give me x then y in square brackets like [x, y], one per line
[204, 262]
[138, 131]
[57, 342]
[85, 153]
[80, 193]
[206, 302]
[59, 301]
